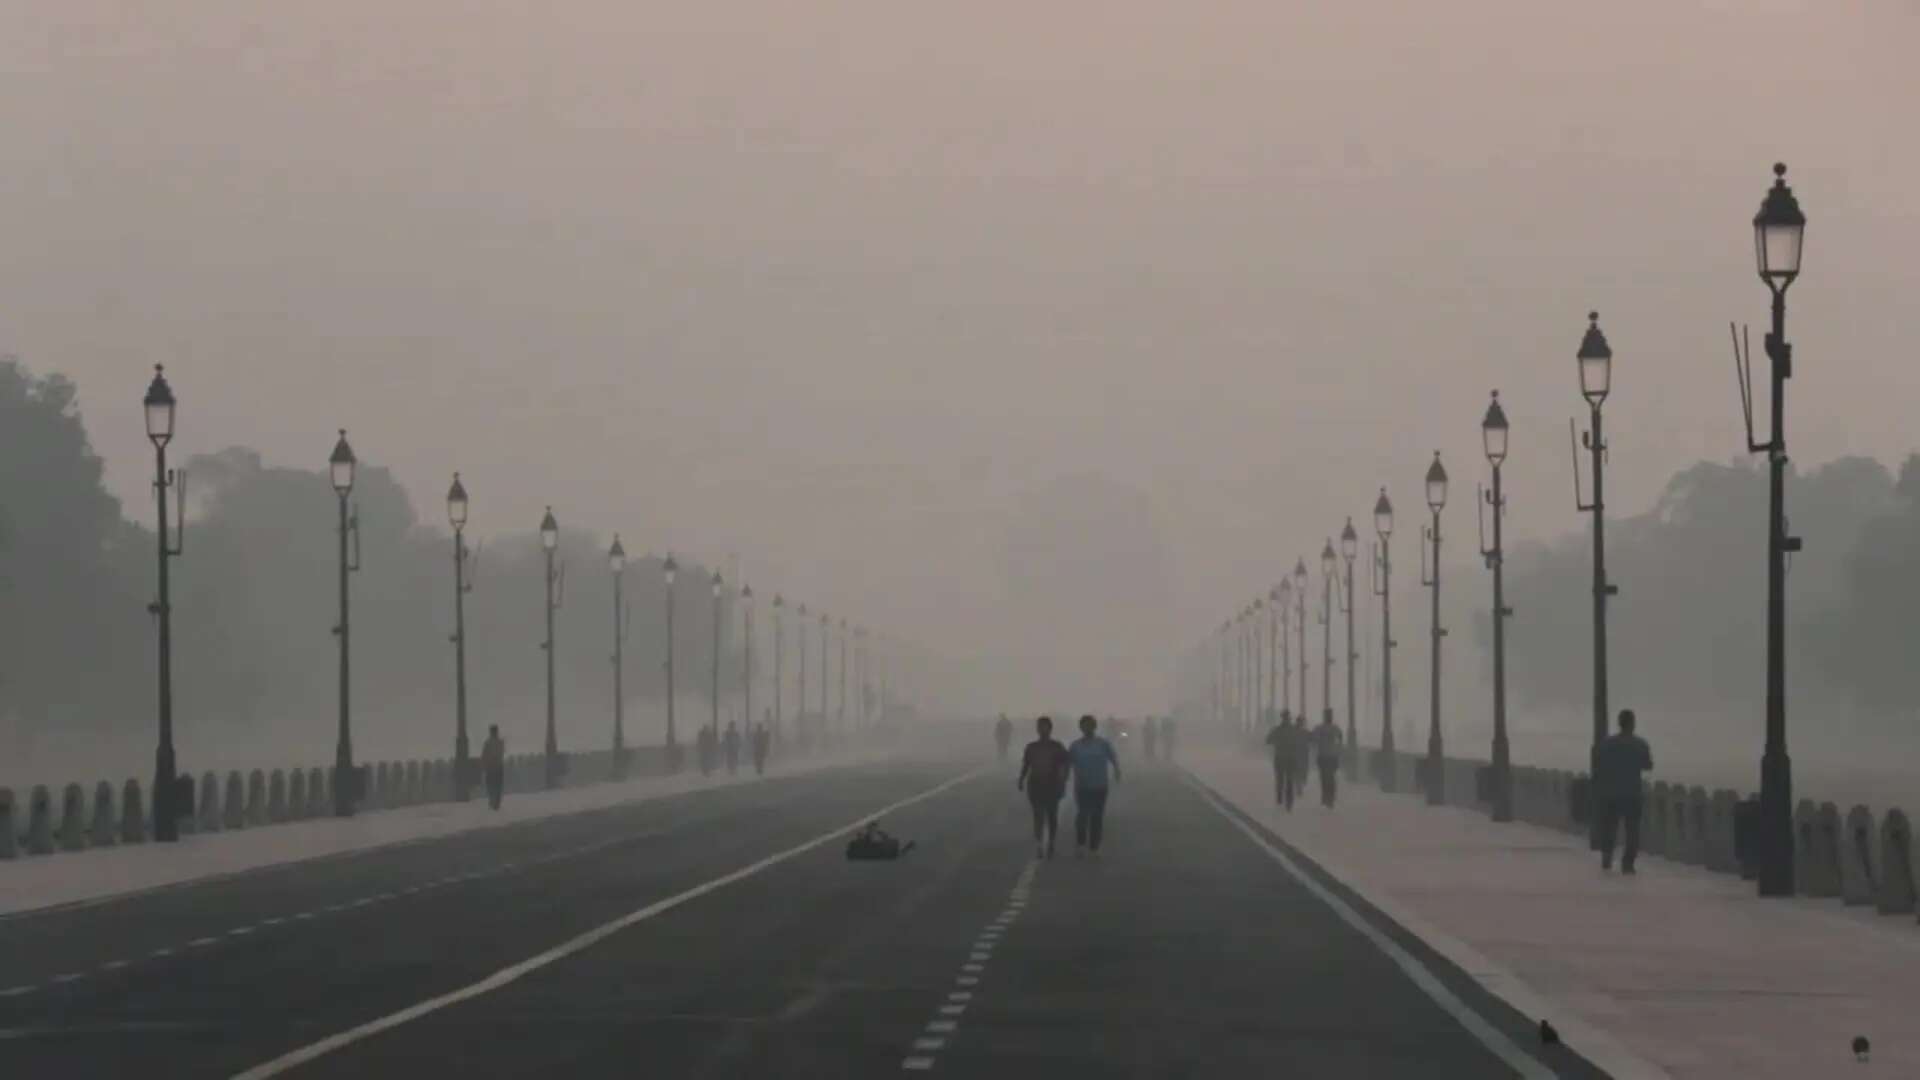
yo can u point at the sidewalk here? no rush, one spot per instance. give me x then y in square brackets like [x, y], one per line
[1676, 972]
[32, 882]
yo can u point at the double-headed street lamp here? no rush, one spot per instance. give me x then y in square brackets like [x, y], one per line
[550, 543]
[1595, 360]
[160, 409]
[1436, 758]
[462, 749]
[1493, 437]
[669, 570]
[1779, 232]
[1349, 548]
[340, 467]
[1383, 582]
[617, 563]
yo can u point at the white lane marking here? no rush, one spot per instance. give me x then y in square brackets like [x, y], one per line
[113, 965]
[71, 976]
[295, 1058]
[929, 1044]
[960, 995]
[275, 921]
[16, 991]
[941, 1026]
[968, 980]
[976, 957]
[161, 954]
[201, 942]
[1491, 1037]
[240, 931]
[952, 1010]
[304, 915]
[973, 968]
[917, 1064]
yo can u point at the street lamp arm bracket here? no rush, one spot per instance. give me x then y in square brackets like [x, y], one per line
[1743, 378]
[177, 544]
[1580, 503]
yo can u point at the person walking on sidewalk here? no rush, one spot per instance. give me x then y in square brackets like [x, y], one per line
[1003, 736]
[762, 741]
[732, 745]
[493, 765]
[1092, 756]
[1327, 745]
[1623, 756]
[1286, 755]
[1043, 776]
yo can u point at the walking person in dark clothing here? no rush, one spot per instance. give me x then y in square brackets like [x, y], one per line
[1327, 745]
[1092, 756]
[1622, 757]
[732, 745]
[1285, 755]
[493, 765]
[1002, 736]
[1043, 776]
[762, 740]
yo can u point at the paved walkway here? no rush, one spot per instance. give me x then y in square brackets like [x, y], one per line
[41, 881]
[1675, 972]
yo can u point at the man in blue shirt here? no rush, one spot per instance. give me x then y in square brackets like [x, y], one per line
[1091, 756]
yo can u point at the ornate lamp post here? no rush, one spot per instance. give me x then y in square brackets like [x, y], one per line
[746, 660]
[1436, 758]
[1493, 437]
[617, 563]
[549, 543]
[1779, 233]
[1329, 569]
[1349, 548]
[462, 749]
[779, 656]
[717, 586]
[669, 570]
[800, 718]
[160, 408]
[1596, 381]
[340, 467]
[1300, 611]
[1383, 588]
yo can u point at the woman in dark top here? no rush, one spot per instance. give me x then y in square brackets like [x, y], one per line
[1043, 776]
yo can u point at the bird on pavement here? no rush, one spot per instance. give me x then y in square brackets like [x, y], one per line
[1861, 1048]
[1548, 1036]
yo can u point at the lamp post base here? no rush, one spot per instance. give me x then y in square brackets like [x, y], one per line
[165, 826]
[1436, 773]
[1385, 763]
[1776, 824]
[1502, 780]
[462, 768]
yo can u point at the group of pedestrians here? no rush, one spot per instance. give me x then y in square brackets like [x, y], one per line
[1296, 750]
[712, 748]
[1046, 769]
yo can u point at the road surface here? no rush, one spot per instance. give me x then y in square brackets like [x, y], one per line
[701, 936]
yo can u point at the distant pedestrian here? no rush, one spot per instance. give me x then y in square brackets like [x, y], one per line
[1003, 736]
[709, 749]
[493, 765]
[1620, 760]
[1327, 745]
[762, 742]
[1092, 757]
[1150, 737]
[732, 744]
[1286, 755]
[1043, 776]
[1302, 755]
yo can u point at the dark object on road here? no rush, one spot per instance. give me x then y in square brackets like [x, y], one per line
[1861, 1048]
[873, 842]
[1548, 1036]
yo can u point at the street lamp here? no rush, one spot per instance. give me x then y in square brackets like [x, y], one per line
[1779, 231]
[1275, 620]
[1221, 679]
[550, 544]
[825, 649]
[843, 675]
[1300, 609]
[1436, 500]
[1329, 569]
[716, 584]
[462, 749]
[160, 408]
[669, 569]
[340, 467]
[1349, 549]
[617, 563]
[1256, 620]
[1383, 582]
[1595, 359]
[1493, 437]
[746, 659]
[800, 718]
[862, 676]
[779, 647]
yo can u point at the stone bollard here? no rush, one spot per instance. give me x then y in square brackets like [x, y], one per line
[73, 818]
[297, 806]
[106, 828]
[208, 819]
[39, 834]
[1694, 806]
[1856, 858]
[277, 796]
[1896, 865]
[1816, 849]
[133, 813]
[382, 787]
[317, 792]
[1654, 829]
[256, 798]
[415, 793]
[1721, 858]
[234, 802]
[9, 848]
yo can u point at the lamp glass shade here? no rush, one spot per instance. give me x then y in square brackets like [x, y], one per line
[716, 584]
[1300, 575]
[1326, 559]
[1383, 515]
[616, 556]
[1436, 485]
[159, 408]
[1493, 431]
[1596, 362]
[1779, 232]
[457, 503]
[669, 569]
[340, 465]
[1349, 542]
[549, 531]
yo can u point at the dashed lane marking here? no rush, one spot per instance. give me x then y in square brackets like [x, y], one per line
[958, 1000]
[16, 991]
[71, 976]
[918, 1064]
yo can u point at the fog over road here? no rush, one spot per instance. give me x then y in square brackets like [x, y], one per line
[1185, 950]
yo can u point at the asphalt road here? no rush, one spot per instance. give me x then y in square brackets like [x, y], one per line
[1186, 950]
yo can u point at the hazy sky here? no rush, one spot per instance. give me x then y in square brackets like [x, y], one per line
[861, 292]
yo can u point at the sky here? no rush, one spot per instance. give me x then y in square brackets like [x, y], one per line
[1039, 335]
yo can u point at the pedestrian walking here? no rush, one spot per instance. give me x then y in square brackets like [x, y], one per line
[1043, 776]
[493, 765]
[1327, 745]
[1003, 736]
[762, 741]
[1283, 740]
[731, 743]
[1622, 758]
[1092, 758]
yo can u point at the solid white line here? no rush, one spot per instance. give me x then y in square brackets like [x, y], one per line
[917, 1064]
[511, 973]
[1491, 1037]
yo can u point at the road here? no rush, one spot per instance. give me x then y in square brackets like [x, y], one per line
[716, 944]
